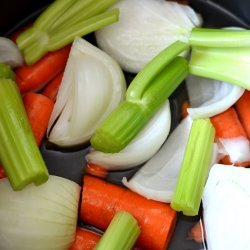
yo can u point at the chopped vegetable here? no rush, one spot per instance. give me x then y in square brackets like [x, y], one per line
[243, 111]
[39, 218]
[85, 239]
[145, 95]
[141, 148]
[157, 178]
[209, 97]
[195, 168]
[60, 23]
[231, 136]
[9, 53]
[227, 192]
[196, 232]
[2, 173]
[52, 88]
[31, 78]
[101, 200]
[92, 86]
[221, 54]
[144, 29]
[38, 108]
[19, 153]
[121, 233]
[96, 170]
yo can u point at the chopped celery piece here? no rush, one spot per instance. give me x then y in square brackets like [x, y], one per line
[143, 98]
[221, 54]
[225, 64]
[61, 22]
[19, 153]
[219, 37]
[121, 233]
[195, 168]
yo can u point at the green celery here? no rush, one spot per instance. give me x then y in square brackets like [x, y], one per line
[121, 233]
[61, 22]
[219, 37]
[225, 64]
[142, 101]
[19, 153]
[61, 39]
[195, 168]
[221, 54]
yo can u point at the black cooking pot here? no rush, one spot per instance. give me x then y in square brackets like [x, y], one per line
[215, 13]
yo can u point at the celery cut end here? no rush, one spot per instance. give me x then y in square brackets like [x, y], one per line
[118, 129]
[195, 168]
[19, 153]
[121, 233]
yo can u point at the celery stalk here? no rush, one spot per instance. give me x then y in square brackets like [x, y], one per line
[126, 121]
[61, 39]
[225, 64]
[121, 233]
[221, 54]
[219, 37]
[19, 153]
[155, 66]
[195, 168]
[60, 23]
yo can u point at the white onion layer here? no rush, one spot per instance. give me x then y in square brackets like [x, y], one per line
[145, 28]
[238, 148]
[93, 85]
[142, 148]
[157, 178]
[39, 217]
[209, 97]
[9, 53]
[226, 202]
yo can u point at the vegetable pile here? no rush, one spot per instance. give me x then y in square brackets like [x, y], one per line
[68, 92]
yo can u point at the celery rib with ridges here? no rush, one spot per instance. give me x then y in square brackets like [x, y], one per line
[61, 22]
[145, 95]
[19, 153]
[121, 233]
[195, 168]
[221, 54]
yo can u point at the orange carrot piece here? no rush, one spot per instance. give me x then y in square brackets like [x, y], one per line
[51, 89]
[242, 107]
[226, 161]
[184, 108]
[196, 232]
[2, 173]
[85, 239]
[227, 124]
[96, 170]
[34, 77]
[101, 200]
[38, 108]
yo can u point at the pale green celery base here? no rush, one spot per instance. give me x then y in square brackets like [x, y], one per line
[19, 153]
[121, 233]
[226, 64]
[67, 35]
[219, 38]
[195, 168]
[154, 67]
[52, 13]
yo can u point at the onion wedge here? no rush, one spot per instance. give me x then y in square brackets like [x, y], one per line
[9, 53]
[39, 217]
[209, 97]
[226, 204]
[141, 149]
[157, 178]
[93, 85]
